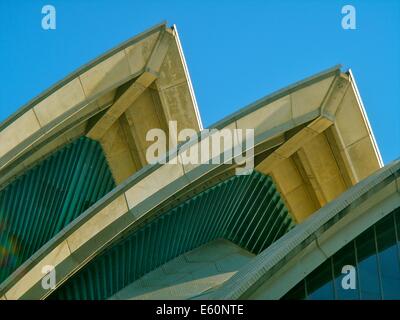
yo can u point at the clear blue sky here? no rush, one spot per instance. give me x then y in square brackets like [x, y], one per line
[237, 51]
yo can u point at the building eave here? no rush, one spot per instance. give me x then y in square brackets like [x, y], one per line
[276, 270]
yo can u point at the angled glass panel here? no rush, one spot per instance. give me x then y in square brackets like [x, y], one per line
[347, 258]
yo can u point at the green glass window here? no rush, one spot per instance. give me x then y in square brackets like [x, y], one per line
[348, 257]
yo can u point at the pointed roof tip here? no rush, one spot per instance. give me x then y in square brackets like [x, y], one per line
[174, 27]
[336, 67]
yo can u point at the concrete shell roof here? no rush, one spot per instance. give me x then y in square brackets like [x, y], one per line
[141, 195]
[63, 112]
[90, 65]
[282, 121]
[276, 270]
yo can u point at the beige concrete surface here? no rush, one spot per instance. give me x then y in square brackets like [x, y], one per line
[144, 106]
[139, 53]
[21, 129]
[106, 74]
[190, 274]
[328, 156]
[98, 222]
[94, 86]
[312, 167]
[120, 105]
[118, 153]
[269, 116]
[59, 102]
[153, 183]
[35, 274]
[309, 98]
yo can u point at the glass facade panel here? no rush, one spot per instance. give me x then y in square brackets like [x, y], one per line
[388, 258]
[321, 286]
[367, 267]
[375, 255]
[347, 258]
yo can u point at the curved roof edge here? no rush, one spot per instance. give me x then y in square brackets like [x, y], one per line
[332, 71]
[125, 206]
[173, 181]
[79, 71]
[277, 269]
[189, 79]
[9, 157]
[63, 112]
[365, 116]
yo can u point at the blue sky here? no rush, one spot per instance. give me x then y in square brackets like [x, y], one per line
[237, 51]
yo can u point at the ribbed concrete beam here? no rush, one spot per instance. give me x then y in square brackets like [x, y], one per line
[294, 144]
[315, 166]
[120, 106]
[32, 131]
[134, 91]
[327, 118]
[281, 266]
[127, 205]
[157, 185]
